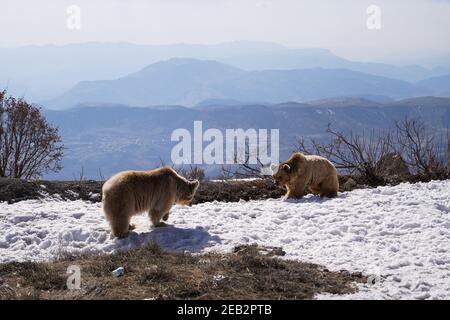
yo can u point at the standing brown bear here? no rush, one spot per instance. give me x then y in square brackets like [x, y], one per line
[131, 192]
[301, 171]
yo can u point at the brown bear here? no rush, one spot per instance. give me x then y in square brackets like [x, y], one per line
[131, 192]
[301, 171]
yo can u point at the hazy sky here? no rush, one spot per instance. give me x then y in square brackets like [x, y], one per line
[407, 26]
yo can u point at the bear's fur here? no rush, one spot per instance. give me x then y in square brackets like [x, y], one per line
[131, 192]
[301, 171]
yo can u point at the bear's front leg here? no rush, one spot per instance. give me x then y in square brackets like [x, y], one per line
[294, 194]
[156, 216]
[297, 190]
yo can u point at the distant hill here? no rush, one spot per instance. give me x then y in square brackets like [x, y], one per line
[344, 102]
[41, 73]
[110, 139]
[425, 102]
[177, 81]
[217, 102]
[438, 84]
[190, 82]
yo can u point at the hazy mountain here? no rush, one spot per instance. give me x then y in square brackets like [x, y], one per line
[422, 102]
[190, 81]
[438, 84]
[110, 139]
[45, 72]
[217, 102]
[428, 59]
[177, 81]
[307, 84]
[344, 102]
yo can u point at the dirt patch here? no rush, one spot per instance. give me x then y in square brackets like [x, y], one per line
[233, 191]
[250, 272]
[14, 190]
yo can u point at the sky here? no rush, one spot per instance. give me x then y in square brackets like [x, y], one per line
[407, 26]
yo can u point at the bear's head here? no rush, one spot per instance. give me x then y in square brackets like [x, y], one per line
[289, 170]
[186, 192]
[282, 174]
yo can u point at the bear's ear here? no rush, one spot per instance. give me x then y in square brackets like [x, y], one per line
[286, 167]
[195, 183]
[274, 168]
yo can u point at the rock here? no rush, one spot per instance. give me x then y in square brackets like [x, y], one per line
[349, 185]
[118, 272]
[392, 164]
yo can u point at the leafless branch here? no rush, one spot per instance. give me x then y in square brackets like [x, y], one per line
[29, 145]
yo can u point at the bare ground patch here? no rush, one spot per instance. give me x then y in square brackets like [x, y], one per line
[250, 272]
[15, 190]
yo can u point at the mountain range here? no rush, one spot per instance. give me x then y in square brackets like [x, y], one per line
[188, 82]
[111, 138]
[437, 84]
[41, 73]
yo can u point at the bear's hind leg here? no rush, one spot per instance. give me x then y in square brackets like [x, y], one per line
[328, 194]
[329, 187]
[314, 189]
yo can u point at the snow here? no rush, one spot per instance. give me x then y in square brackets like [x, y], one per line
[399, 235]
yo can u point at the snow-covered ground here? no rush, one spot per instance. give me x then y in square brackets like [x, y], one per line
[400, 235]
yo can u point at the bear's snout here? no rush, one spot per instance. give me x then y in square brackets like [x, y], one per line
[277, 182]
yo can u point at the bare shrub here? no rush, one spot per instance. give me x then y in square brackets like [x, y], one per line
[243, 168]
[418, 149]
[243, 171]
[356, 154]
[80, 184]
[29, 145]
[422, 149]
[192, 173]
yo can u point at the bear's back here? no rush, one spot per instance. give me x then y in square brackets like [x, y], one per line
[136, 180]
[320, 163]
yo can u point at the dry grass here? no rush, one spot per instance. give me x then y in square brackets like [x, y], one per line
[250, 272]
